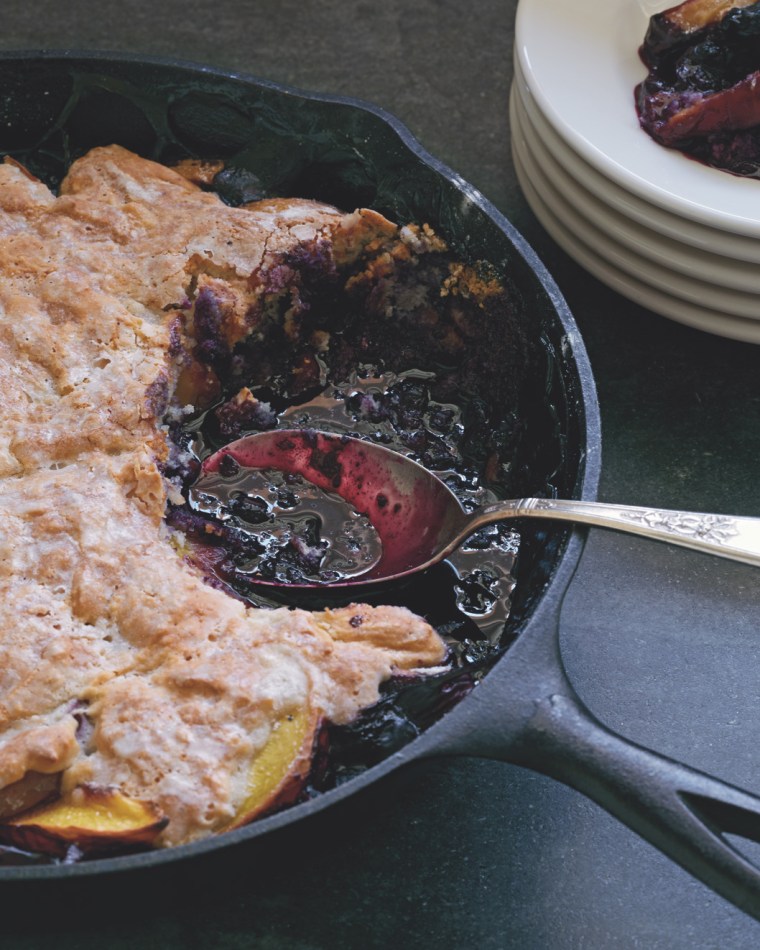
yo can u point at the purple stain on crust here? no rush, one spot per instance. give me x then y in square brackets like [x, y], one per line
[207, 315]
[157, 396]
[176, 339]
[305, 264]
[313, 256]
[212, 348]
[277, 278]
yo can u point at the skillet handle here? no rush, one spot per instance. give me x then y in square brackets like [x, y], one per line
[681, 811]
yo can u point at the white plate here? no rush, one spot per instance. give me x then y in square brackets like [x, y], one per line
[733, 246]
[691, 262]
[580, 60]
[654, 274]
[629, 286]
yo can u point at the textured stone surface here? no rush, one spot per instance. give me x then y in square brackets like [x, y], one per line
[662, 644]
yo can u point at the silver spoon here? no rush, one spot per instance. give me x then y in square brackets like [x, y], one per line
[420, 521]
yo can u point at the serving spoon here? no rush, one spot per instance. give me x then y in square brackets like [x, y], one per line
[420, 521]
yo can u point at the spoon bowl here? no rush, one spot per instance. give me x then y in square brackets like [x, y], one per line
[413, 512]
[419, 520]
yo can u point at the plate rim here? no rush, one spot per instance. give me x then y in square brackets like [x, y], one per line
[726, 274]
[658, 302]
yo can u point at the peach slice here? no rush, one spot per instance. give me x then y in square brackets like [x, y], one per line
[104, 819]
[732, 109]
[278, 774]
[31, 790]
[673, 28]
[692, 15]
[93, 819]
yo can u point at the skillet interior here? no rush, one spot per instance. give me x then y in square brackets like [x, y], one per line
[57, 106]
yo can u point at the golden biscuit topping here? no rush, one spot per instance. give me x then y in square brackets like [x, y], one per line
[120, 668]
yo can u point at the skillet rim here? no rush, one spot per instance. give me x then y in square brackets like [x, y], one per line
[548, 600]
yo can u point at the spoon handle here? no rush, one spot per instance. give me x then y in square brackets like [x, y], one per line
[725, 535]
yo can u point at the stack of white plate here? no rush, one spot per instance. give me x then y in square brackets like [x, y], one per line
[671, 234]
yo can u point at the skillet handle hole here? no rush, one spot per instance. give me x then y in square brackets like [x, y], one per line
[738, 823]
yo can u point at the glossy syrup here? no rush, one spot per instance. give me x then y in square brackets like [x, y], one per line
[298, 532]
[467, 599]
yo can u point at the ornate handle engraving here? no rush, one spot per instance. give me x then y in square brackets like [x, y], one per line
[717, 529]
[737, 538]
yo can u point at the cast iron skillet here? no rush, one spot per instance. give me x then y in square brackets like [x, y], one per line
[57, 105]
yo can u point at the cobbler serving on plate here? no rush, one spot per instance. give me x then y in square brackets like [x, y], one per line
[702, 94]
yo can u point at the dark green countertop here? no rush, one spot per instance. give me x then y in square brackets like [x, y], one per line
[662, 644]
